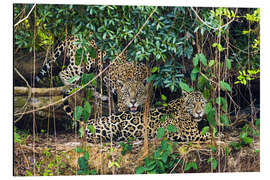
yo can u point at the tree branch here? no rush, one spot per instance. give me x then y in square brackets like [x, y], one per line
[26, 17]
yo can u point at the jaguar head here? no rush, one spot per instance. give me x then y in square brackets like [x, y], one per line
[132, 94]
[194, 104]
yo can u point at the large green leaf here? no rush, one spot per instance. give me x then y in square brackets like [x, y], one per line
[73, 79]
[160, 133]
[195, 60]
[83, 163]
[224, 119]
[214, 162]
[225, 86]
[222, 102]
[203, 59]
[86, 78]
[77, 112]
[92, 129]
[86, 111]
[86, 155]
[211, 63]
[211, 117]
[208, 107]
[140, 170]
[228, 63]
[205, 130]
[171, 129]
[185, 87]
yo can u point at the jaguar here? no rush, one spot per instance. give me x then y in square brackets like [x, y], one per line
[122, 77]
[191, 103]
[125, 125]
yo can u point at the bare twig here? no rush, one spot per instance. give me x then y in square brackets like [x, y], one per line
[220, 27]
[26, 17]
[208, 78]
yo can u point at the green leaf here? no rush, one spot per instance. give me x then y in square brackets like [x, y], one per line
[171, 129]
[86, 111]
[213, 148]
[86, 155]
[228, 63]
[257, 122]
[81, 132]
[194, 73]
[86, 78]
[79, 56]
[224, 119]
[211, 117]
[247, 140]
[154, 69]
[17, 137]
[214, 162]
[185, 87]
[187, 166]
[211, 63]
[78, 150]
[160, 166]
[92, 129]
[151, 165]
[163, 117]
[203, 59]
[165, 156]
[205, 130]
[194, 165]
[163, 97]
[164, 145]
[193, 76]
[195, 60]
[191, 165]
[206, 93]
[160, 133]
[219, 46]
[140, 170]
[222, 102]
[225, 86]
[243, 135]
[73, 79]
[83, 163]
[152, 77]
[77, 112]
[208, 107]
[202, 82]
[214, 44]
[195, 70]
[227, 151]
[93, 172]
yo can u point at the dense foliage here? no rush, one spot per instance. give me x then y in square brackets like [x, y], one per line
[214, 50]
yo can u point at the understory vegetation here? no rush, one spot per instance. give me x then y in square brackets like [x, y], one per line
[212, 50]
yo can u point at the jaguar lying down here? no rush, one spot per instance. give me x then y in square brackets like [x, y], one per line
[126, 125]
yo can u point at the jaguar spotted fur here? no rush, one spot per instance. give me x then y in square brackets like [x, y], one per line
[181, 113]
[122, 77]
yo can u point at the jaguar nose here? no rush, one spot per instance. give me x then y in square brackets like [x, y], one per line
[132, 101]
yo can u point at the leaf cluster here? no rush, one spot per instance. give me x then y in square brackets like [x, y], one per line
[163, 159]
